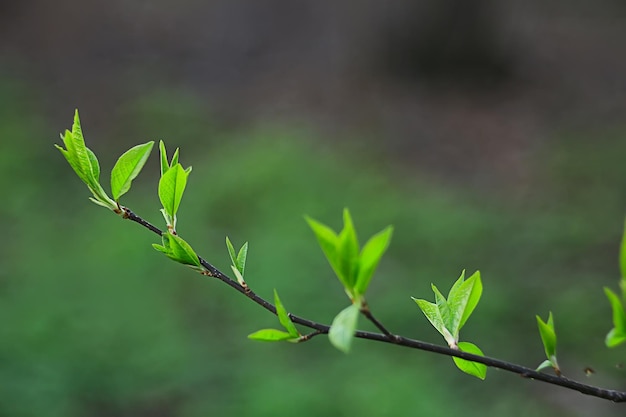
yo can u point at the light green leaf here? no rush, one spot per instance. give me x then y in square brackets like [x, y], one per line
[432, 313]
[174, 160]
[238, 260]
[615, 338]
[343, 327]
[462, 300]
[444, 309]
[178, 250]
[283, 317]
[478, 370]
[545, 364]
[95, 165]
[171, 187]
[348, 251]
[270, 335]
[328, 241]
[241, 258]
[127, 167]
[80, 150]
[231, 251]
[548, 336]
[84, 163]
[163, 158]
[370, 257]
[618, 334]
[238, 275]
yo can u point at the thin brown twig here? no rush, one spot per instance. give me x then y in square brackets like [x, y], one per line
[388, 337]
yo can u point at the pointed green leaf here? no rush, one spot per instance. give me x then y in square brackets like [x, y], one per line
[178, 250]
[238, 275]
[348, 248]
[171, 188]
[80, 150]
[127, 167]
[160, 248]
[328, 241]
[84, 163]
[432, 313]
[548, 335]
[163, 158]
[462, 300]
[174, 160]
[545, 364]
[370, 257]
[615, 338]
[270, 335]
[343, 327]
[95, 165]
[618, 334]
[476, 369]
[444, 309]
[241, 258]
[283, 317]
[231, 251]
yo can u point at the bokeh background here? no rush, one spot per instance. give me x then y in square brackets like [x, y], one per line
[490, 133]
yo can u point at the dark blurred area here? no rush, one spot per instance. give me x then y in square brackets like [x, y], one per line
[490, 133]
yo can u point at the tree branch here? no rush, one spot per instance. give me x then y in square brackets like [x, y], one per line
[387, 337]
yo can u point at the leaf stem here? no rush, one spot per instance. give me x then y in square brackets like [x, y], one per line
[388, 337]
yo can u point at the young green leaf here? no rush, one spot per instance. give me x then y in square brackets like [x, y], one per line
[478, 370]
[231, 252]
[238, 275]
[343, 327]
[370, 257]
[128, 167]
[270, 335]
[444, 309]
[548, 336]
[348, 249]
[238, 260]
[84, 163]
[165, 166]
[462, 300]
[617, 335]
[432, 313]
[175, 248]
[545, 364]
[283, 317]
[328, 241]
[171, 187]
[241, 258]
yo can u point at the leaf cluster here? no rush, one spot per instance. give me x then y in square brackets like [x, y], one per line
[449, 315]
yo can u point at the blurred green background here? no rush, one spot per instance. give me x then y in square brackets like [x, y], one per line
[479, 159]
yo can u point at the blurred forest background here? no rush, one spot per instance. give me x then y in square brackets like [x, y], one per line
[490, 133]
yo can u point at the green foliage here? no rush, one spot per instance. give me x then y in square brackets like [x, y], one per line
[449, 315]
[343, 327]
[548, 338]
[84, 163]
[617, 335]
[238, 260]
[442, 305]
[128, 167]
[175, 248]
[472, 368]
[353, 267]
[273, 335]
[171, 185]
